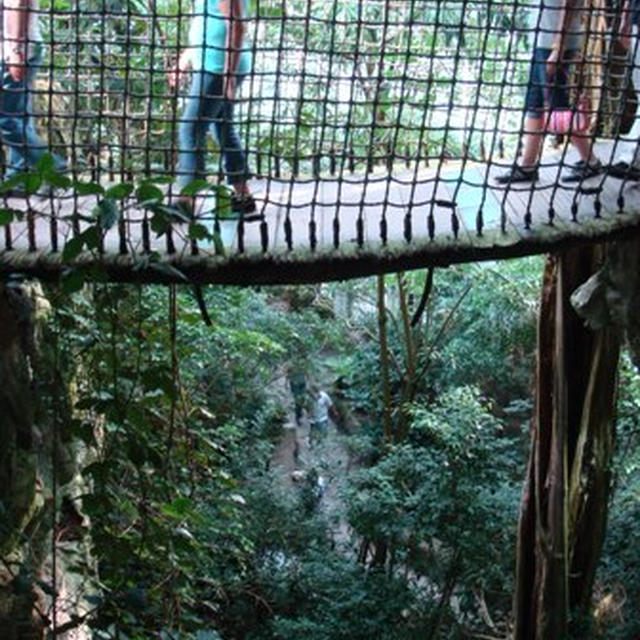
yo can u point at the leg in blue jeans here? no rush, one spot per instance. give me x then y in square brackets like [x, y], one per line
[205, 107]
[224, 131]
[17, 127]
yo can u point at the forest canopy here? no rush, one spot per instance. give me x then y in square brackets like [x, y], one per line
[177, 514]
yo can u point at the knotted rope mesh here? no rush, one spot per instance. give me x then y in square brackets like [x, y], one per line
[360, 120]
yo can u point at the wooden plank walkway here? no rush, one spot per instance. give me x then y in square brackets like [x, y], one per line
[319, 230]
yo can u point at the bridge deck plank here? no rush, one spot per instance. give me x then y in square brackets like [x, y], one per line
[446, 199]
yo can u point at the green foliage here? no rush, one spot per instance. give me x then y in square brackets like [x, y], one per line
[493, 331]
[409, 81]
[341, 601]
[166, 503]
[182, 430]
[618, 592]
[444, 502]
[478, 328]
[195, 535]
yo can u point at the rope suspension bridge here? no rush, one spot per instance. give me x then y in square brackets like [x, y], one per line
[373, 135]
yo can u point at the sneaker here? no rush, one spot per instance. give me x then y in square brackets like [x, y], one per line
[623, 171]
[518, 174]
[245, 205]
[583, 171]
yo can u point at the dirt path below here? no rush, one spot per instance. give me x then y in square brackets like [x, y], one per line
[295, 459]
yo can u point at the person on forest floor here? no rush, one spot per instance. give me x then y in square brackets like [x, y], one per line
[218, 60]
[22, 56]
[628, 150]
[323, 409]
[343, 417]
[558, 41]
[298, 385]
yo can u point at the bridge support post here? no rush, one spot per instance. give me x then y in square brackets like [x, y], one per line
[564, 504]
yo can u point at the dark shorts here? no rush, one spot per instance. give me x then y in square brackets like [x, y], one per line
[544, 92]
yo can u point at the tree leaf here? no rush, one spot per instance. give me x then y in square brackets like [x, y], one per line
[72, 248]
[172, 213]
[108, 212]
[148, 192]
[178, 508]
[72, 281]
[198, 232]
[159, 223]
[56, 179]
[14, 181]
[88, 188]
[168, 270]
[223, 203]
[194, 187]
[32, 182]
[6, 216]
[119, 191]
[91, 237]
[45, 163]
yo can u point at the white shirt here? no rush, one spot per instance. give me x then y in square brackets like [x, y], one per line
[545, 19]
[321, 407]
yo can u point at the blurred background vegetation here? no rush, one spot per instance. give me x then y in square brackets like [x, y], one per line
[336, 86]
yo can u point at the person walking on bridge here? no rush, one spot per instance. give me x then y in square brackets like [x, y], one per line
[218, 59]
[22, 52]
[559, 38]
[628, 150]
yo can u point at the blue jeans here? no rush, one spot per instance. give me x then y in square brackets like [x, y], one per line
[206, 106]
[17, 124]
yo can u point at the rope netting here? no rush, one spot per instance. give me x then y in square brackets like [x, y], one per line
[338, 121]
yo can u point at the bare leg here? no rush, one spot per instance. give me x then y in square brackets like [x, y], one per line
[533, 138]
[584, 145]
[532, 141]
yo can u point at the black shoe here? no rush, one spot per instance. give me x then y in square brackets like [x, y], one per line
[518, 174]
[245, 206]
[583, 171]
[623, 171]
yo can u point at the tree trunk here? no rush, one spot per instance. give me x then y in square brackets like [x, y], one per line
[37, 472]
[18, 474]
[384, 361]
[564, 504]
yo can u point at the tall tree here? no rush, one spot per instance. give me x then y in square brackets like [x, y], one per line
[564, 503]
[18, 473]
